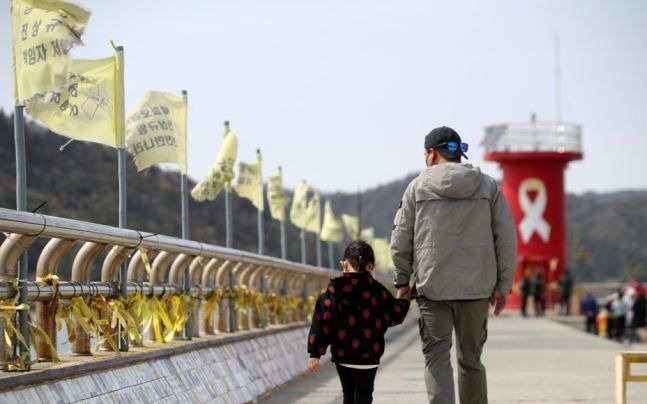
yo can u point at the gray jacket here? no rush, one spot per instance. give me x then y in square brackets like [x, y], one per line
[454, 232]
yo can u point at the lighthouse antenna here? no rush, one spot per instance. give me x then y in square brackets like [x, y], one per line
[558, 84]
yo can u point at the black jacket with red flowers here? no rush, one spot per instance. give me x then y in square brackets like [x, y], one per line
[352, 316]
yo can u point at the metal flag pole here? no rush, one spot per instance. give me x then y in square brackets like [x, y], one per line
[261, 229]
[284, 247]
[188, 326]
[318, 241]
[229, 242]
[21, 204]
[121, 173]
[304, 251]
[303, 246]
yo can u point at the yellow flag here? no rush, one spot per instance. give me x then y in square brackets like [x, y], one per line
[222, 171]
[367, 234]
[351, 223]
[85, 108]
[299, 207]
[332, 229]
[276, 196]
[250, 182]
[382, 251]
[156, 130]
[43, 34]
[313, 214]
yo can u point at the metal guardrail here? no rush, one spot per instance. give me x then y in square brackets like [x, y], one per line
[533, 137]
[281, 290]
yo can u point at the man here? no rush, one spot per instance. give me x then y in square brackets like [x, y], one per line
[566, 289]
[526, 289]
[589, 307]
[454, 233]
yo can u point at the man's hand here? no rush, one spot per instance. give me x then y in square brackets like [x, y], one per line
[403, 292]
[498, 300]
[313, 365]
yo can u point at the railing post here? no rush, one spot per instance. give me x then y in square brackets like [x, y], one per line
[262, 314]
[231, 315]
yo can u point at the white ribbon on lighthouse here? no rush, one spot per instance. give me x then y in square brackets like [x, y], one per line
[533, 220]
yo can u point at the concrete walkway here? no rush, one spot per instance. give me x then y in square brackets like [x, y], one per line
[528, 360]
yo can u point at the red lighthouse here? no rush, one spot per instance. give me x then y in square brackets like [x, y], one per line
[533, 157]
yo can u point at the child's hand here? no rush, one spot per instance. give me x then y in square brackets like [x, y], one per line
[313, 365]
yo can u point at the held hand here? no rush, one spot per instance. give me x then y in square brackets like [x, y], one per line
[313, 365]
[403, 293]
[498, 300]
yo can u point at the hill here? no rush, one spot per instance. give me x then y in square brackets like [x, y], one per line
[606, 231]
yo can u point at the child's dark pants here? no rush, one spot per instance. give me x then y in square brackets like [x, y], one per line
[357, 384]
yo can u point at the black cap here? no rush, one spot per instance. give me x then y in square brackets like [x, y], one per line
[440, 136]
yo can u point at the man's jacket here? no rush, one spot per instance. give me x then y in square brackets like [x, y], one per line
[454, 233]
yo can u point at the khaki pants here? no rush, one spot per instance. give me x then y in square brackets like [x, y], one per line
[437, 320]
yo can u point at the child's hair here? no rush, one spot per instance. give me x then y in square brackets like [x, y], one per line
[359, 254]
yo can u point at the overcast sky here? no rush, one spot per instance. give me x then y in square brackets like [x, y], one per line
[341, 93]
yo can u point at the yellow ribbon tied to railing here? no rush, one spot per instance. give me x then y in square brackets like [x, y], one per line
[161, 318]
[309, 304]
[211, 304]
[8, 311]
[241, 297]
[137, 306]
[259, 300]
[121, 313]
[143, 253]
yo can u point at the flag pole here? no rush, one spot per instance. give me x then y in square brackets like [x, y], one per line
[121, 173]
[229, 242]
[303, 246]
[188, 326]
[21, 204]
[319, 263]
[331, 255]
[304, 251]
[284, 248]
[261, 230]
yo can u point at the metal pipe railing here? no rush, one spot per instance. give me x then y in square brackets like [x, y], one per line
[40, 291]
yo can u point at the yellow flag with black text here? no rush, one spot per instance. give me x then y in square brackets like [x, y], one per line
[332, 228]
[221, 173]
[250, 182]
[367, 234]
[276, 196]
[351, 223]
[85, 108]
[156, 130]
[43, 34]
[313, 214]
[382, 250]
[299, 207]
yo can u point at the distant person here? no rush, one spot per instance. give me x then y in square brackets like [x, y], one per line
[589, 308]
[352, 316]
[566, 289]
[454, 233]
[526, 292]
[639, 320]
[538, 293]
[619, 310]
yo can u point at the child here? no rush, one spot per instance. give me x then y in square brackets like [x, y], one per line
[351, 316]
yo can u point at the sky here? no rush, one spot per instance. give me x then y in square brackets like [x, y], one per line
[342, 93]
